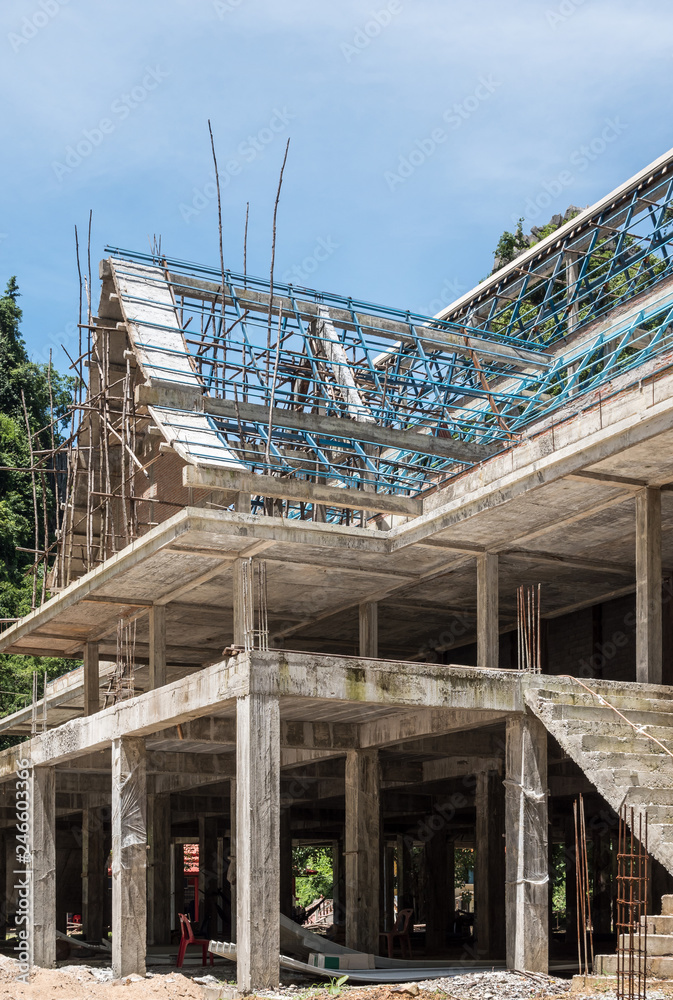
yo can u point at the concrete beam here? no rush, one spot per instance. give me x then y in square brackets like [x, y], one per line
[413, 725]
[200, 693]
[287, 674]
[648, 587]
[227, 480]
[315, 423]
[129, 856]
[600, 431]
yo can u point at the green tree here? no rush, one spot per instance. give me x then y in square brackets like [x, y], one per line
[22, 381]
[313, 873]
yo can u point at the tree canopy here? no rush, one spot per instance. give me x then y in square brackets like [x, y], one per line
[28, 394]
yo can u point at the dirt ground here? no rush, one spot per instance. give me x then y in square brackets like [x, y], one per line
[81, 984]
[86, 983]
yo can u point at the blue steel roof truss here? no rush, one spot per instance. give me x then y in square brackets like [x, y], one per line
[383, 365]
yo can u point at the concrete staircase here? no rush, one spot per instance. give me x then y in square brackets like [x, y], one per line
[623, 764]
[659, 960]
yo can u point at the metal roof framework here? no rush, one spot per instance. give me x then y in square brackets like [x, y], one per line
[591, 301]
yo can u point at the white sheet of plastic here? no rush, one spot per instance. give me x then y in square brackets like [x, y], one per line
[159, 345]
[410, 971]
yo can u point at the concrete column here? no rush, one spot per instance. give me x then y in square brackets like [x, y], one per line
[527, 865]
[157, 646]
[257, 840]
[489, 875]
[91, 678]
[43, 850]
[93, 873]
[158, 875]
[129, 856]
[437, 893]
[242, 503]
[648, 587]
[363, 831]
[369, 629]
[286, 861]
[488, 633]
[208, 873]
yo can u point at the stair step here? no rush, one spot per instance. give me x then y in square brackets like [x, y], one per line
[643, 761]
[657, 944]
[597, 713]
[623, 701]
[661, 923]
[660, 966]
[578, 727]
[623, 777]
[605, 965]
[627, 742]
[658, 814]
[650, 797]
[665, 832]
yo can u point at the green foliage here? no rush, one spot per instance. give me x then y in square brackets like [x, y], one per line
[558, 881]
[310, 887]
[38, 385]
[336, 986]
[464, 867]
[510, 245]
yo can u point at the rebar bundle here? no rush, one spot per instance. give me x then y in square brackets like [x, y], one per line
[528, 628]
[585, 935]
[122, 682]
[632, 885]
[255, 637]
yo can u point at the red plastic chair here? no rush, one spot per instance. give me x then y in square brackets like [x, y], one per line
[401, 932]
[187, 938]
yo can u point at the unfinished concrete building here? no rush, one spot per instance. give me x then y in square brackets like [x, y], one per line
[293, 538]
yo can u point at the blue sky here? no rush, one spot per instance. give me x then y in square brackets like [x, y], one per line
[420, 129]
